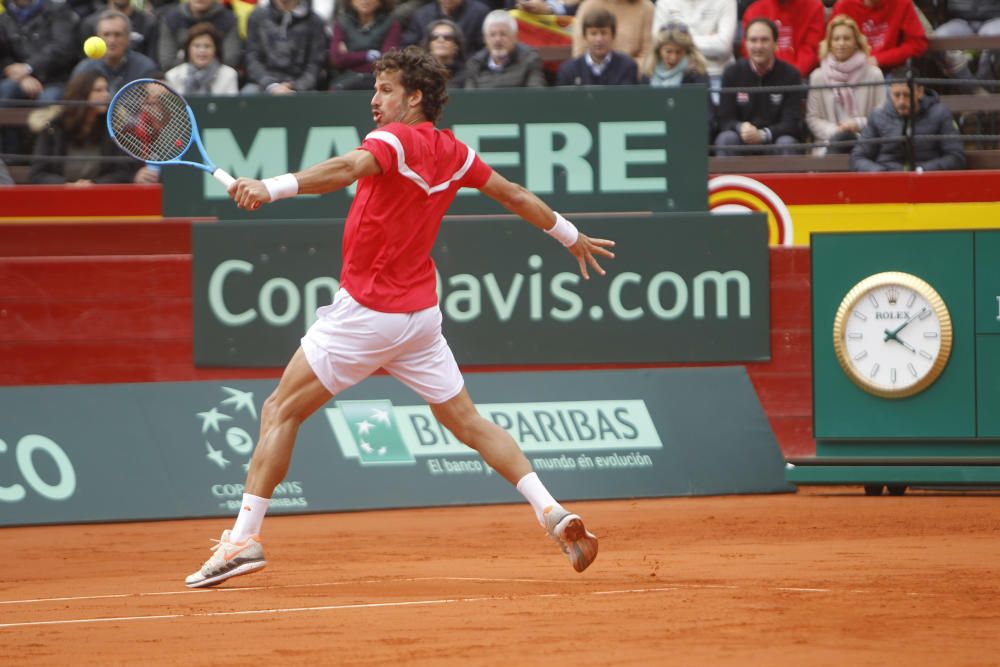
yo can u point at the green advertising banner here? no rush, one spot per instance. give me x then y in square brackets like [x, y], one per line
[619, 148]
[691, 287]
[178, 450]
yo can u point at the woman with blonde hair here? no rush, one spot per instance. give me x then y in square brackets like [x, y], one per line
[675, 60]
[839, 114]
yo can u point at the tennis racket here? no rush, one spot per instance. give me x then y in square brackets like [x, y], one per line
[152, 122]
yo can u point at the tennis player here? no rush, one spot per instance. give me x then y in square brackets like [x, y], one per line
[386, 314]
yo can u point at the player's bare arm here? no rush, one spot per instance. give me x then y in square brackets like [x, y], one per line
[517, 199]
[328, 176]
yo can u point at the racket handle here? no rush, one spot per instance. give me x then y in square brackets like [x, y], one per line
[223, 177]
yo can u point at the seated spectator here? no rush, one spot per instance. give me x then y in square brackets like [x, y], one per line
[966, 18]
[503, 63]
[712, 24]
[839, 114]
[926, 115]
[599, 65]
[176, 21]
[38, 48]
[800, 29]
[202, 73]
[892, 28]
[768, 120]
[634, 31]
[468, 14]
[446, 43]
[675, 59]
[120, 64]
[143, 37]
[80, 134]
[362, 31]
[286, 49]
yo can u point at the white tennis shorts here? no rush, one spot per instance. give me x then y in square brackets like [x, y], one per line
[349, 342]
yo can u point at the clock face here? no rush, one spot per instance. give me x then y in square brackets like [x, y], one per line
[892, 334]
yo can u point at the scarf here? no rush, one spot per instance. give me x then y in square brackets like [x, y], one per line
[668, 78]
[24, 14]
[199, 81]
[849, 71]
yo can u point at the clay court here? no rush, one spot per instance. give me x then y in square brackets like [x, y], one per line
[826, 576]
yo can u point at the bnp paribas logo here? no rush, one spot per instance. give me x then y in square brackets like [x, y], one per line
[226, 429]
[374, 431]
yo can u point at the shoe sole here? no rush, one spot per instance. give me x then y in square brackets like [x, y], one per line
[582, 544]
[245, 568]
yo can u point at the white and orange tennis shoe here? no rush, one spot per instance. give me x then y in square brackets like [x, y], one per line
[229, 560]
[568, 531]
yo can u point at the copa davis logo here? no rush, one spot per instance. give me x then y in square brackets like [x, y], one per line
[567, 435]
[229, 430]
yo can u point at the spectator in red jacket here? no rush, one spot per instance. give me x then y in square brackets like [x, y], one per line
[800, 29]
[892, 27]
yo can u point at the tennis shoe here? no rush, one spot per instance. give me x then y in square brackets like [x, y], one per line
[229, 560]
[568, 531]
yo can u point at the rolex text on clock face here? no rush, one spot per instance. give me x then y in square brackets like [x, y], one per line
[892, 337]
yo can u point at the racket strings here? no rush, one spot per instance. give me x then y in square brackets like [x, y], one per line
[150, 122]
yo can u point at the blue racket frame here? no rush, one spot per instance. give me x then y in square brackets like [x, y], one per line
[207, 166]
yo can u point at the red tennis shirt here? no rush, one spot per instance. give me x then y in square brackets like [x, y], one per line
[395, 215]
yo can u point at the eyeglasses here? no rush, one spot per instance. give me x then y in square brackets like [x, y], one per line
[443, 35]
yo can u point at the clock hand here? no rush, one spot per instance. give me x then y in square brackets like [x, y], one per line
[905, 344]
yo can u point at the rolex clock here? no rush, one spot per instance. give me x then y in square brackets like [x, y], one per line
[892, 334]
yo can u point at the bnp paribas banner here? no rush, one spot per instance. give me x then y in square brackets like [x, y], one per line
[175, 450]
[620, 148]
[687, 287]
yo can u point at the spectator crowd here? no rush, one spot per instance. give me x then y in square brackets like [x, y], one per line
[849, 52]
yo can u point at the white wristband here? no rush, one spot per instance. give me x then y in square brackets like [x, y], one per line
[282, 187]
[563, 231]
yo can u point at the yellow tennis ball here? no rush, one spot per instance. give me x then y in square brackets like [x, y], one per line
[94, 47]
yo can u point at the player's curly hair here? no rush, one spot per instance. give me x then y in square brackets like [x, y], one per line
[418, 70]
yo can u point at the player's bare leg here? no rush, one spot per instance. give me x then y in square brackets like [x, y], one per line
[239, 551]
[299, 394]
[500, 451]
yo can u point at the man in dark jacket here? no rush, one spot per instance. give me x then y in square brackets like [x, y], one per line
[38, 48]
[923, 111]
[177, 21]
[120, 63]
[599, 65]
[503, 63]
[770, 121]
[286, 49]
[143, 35]
[468, 14]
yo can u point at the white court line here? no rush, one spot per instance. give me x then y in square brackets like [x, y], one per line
[806, 590]
[190, 591]
[288, 610]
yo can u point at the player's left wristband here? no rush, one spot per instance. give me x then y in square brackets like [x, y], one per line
[563, 231]
[282, 187]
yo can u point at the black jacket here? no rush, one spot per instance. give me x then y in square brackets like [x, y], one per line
[46, 41]
[781, 113]
[620, 71]
[292, 48]
[932, 118]
[54, 140]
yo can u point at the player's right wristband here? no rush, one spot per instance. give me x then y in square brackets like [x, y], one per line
[282, 187]
[563, 231]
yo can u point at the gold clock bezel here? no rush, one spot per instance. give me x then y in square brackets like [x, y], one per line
[907, 281]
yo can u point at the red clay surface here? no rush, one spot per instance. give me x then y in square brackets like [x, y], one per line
[822, 577]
